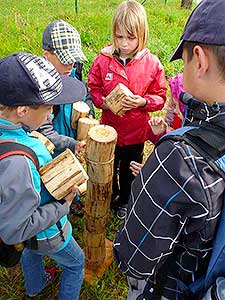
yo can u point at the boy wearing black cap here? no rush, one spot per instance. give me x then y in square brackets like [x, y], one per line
[168, 235]
[29, 87]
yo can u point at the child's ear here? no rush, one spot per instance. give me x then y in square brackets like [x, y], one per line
[46, 54]
[22, 111]
[201, 61]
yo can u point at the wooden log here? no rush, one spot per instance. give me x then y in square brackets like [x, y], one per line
[100, 208]
[94, 239]
[83, 126]
[80, 110]
[48, 144]
[83, 188]
[94, 224]
[100, 153]
[94, 247]
[94, 256]
[90, 274]
[114, 100]
[101, 173]
[62, 173]
[101, 143]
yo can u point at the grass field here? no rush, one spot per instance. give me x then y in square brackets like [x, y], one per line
[21, 26]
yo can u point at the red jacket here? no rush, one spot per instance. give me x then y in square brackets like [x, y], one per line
[144, 76]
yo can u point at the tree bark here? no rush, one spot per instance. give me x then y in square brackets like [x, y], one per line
[186, 4]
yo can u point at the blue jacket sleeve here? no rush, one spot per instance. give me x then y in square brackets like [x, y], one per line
[21, 214]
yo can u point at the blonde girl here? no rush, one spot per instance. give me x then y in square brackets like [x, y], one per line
[128, 61]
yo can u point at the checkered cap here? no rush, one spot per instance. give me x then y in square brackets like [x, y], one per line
[27, 79]
[64, 40]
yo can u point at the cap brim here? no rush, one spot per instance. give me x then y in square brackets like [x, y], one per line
[177, 54]
[70, 56]
[73, 90]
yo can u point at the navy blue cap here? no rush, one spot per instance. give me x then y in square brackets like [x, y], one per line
[27, 79]
[205, 25]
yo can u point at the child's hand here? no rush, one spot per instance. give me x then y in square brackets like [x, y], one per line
[158, 125]
[134, 101]
[69, 198]
[79, 147]
[104, 106]
[135, 167]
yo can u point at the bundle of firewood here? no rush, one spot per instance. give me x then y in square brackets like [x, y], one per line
[62, 173]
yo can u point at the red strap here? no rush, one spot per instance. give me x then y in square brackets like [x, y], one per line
[18, 152]
[10, 147]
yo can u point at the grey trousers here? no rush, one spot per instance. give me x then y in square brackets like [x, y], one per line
[135, 288]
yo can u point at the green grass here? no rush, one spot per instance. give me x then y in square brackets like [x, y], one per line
[22, 23]
[21, 26]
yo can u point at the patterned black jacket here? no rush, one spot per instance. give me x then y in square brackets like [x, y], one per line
[172, 216]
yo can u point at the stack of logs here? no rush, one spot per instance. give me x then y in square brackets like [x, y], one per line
[100, 158]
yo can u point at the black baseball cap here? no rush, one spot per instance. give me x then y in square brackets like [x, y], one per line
[205, 25]
[27, 79]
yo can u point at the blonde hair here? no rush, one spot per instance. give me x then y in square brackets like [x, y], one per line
[131, 17]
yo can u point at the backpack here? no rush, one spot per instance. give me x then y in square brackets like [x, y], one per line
[209, 141]
[10, 254]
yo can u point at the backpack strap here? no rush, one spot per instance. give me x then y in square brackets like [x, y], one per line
[9, 148]
[207, 139]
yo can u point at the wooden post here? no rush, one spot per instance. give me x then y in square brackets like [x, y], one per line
[101, 143]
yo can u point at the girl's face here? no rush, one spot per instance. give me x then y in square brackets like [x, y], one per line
[127, 43]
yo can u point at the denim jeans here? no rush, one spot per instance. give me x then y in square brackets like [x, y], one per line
[70, 259]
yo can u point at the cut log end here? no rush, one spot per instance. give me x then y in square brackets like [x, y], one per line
[81, 107]
[80, 110]
[102, 133]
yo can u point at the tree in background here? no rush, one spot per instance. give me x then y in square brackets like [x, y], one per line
[186, 4]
